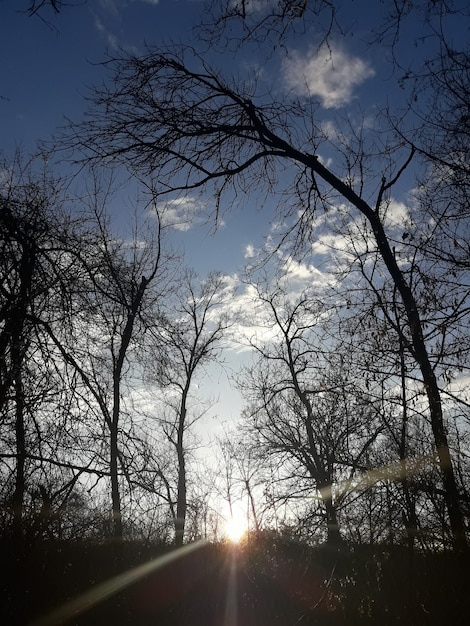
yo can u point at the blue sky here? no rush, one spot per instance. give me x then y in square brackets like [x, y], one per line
[48, 65]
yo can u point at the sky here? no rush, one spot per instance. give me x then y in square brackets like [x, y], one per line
[48, 65]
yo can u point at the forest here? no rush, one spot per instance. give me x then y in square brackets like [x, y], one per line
[347, 473]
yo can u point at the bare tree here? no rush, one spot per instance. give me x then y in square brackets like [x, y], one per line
[373, 324]
[270, 24]
[189, 341]
[244, 477]
[246, 21]
[120, 290]
[108, 305]
[304, 405]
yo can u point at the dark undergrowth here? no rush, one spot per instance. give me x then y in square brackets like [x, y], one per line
[266, 581]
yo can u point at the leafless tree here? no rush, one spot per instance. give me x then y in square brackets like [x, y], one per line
[121, 290]
[306, 409]
[108, 303]
[188, 342]
[244, 477]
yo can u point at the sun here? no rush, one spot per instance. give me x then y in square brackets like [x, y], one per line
[235, 529]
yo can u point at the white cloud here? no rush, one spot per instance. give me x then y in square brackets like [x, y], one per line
[328, 73]
[278, 226]
[111, 7]
[298, 276]
[249, 251]
[99, 24]
[112, 41]
[398, 214]
[329, 130]
[253, 322]
[179, 213]
[327, 244]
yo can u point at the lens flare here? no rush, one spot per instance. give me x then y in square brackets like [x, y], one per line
[100, 592]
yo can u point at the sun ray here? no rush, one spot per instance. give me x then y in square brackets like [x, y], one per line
[231, 600]
[108, 588]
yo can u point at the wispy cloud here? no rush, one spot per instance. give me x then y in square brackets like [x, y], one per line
[108, 12]
[329, 73]
[111, 39]
[299, 275]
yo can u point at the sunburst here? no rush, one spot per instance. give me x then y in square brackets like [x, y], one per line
[235, 529]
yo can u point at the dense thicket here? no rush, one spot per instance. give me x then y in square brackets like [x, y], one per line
[269, 580]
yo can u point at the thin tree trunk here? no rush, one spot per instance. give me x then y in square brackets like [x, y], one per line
[409, 516]
[117, 532]
[20, 435]
[181, 502]
[181, 499]
[115, 492]
[432, 390]
[27, 265]
[252, 505]
[116, 412]
[333, 534]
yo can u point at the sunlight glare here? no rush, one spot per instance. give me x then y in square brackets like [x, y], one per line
[235, 529]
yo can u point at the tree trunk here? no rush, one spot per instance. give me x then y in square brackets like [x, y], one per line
[27, 265]
[17, 500]
[116, 412]
[418, 344]
[114, 442]
[181, 503]
[181, 500]
[409, 516]
[252, 505]
[432, 390]
[115, 493]
[333, 534]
